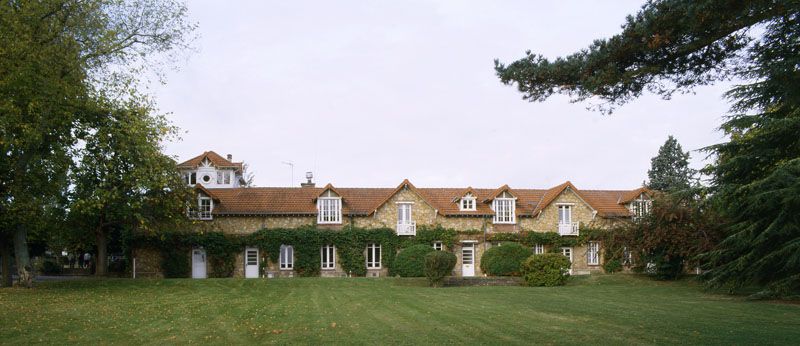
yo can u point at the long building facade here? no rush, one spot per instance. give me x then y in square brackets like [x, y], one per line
[225, 205]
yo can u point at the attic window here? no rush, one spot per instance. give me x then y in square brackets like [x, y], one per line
[329, 208]
[467, 203]
[641, 207]
[504, 209]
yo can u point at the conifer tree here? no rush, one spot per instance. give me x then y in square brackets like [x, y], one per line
[673, 46]
[669, 170]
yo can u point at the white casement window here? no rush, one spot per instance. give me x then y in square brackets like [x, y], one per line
[564, 214]
[538, 249]
[504, 209]
[190, 178]
[627, 256]
[438, 246]
[404, 213]
[205, 205]
[374, 256]
[641, 207]
[227, 177]
[468, 203]
[567, 252]
[328, 254]
[329, 209]
[593, 253]
[219, 177]
[286, 260]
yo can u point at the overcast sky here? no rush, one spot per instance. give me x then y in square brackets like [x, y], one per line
[369, 93]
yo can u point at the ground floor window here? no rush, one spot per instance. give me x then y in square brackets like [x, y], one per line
[328, 254]
[567, 252]
[437, 245]
[538, 249]
[627, 256]
[286, 257]
[593, 253]
[373, 256]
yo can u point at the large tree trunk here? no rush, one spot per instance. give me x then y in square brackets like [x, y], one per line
[24, 268]
[5, 258]
[101, 267]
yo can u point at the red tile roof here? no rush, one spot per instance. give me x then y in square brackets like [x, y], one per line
[364, 201]
[216, 159]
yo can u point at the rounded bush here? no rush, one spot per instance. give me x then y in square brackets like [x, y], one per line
[612, 266]
[410, 262]
[550, 269]
[504, 260]
[438, 265]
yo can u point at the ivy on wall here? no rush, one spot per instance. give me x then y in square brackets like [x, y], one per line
[176, 249]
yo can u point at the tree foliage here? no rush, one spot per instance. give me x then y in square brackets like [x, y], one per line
[59, 62]
[675, 45]
[669, 170]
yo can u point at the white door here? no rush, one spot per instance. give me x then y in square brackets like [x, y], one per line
[198, 264]
[467, 259]
[251, 262]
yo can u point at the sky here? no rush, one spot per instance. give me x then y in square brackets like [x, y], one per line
[366, 94]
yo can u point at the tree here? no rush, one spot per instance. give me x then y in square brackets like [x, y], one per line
[122, 178]
[674, 45]
[57, 59]
[669, 170]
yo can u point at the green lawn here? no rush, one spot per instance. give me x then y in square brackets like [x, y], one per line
[605, 309]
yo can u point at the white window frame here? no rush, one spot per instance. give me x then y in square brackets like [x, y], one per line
[373, 249]
[203, 212]
[538, 249]
[286, 258]
[405, 213]
[468, 203]
[627, 256]
[567, 252]
[438, 246]
[504, 210]
[330, 264]
[641, 207]
[227, 177]
[593, 253]
[220, 175]
[329, 210]
[564, 214]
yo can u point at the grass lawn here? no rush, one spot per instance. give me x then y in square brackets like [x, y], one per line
[610, 309]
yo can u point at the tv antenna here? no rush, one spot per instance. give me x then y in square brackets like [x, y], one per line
[290, 164]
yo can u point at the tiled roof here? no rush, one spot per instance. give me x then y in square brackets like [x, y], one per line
[364, 201]
[216, 159]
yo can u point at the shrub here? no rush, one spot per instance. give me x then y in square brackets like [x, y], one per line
[175, 263]
[612, 266]
[51, 267]
[550, 269]
[504, 260]
[439, 264]
[410, 262]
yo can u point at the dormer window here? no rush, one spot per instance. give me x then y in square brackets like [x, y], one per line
[329, 208]
[504, 208]
[203, 211]
[468, 203]
[640, 207]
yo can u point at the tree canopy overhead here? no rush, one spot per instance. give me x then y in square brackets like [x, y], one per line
[675, 45]
[668, 46]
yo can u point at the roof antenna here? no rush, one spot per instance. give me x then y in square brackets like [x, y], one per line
[290, 164]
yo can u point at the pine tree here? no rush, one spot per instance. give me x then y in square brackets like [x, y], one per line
[669, 170]
[675, 45]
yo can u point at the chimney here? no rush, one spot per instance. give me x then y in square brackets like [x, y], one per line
[230, 157]
[308, 183]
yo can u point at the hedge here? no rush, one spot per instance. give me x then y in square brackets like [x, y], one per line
[549, 269]
[504, 260]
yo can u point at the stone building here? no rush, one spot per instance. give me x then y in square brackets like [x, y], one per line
[225, 205]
